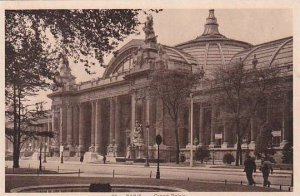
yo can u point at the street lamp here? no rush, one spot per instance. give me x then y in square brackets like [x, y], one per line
[147, 156]
[40, 157]
[158, 142]
[191, 157]
[45, 153]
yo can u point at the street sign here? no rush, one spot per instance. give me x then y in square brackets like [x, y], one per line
[218, 136]
[158, 139]
[276, 133]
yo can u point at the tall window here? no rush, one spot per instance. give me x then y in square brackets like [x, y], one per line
[125, 65]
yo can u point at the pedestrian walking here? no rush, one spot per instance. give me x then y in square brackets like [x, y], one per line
[266, 168]
[104, 159]
[81, 159]
[250, 167]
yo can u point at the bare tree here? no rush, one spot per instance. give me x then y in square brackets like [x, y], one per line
[173, 87]
[24, 123]
[240, 90]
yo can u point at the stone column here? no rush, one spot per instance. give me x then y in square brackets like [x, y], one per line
[201, 125]
[69, 125]
[159, 117]
[81, 128]
[117, 123]
[54, 126]
[225, 135]
[212, 126]
[189, 128]
[75, 124]
[60, 125]
[111, 120]
[133, 102]
[93, 124]
[98, 126]
[147, 110]
[252, 132]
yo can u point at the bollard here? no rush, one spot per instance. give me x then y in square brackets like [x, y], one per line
[113, 173]
[289, 189]
[241, 182]
[279, 187]
[150, 174]
[225, 182]
[57, 169]
[78, 172]
[188, 178]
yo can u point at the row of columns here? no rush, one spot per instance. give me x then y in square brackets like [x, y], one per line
[75, 127]
[225, 132]
[71, 123]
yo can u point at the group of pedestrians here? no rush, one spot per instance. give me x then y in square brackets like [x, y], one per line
[250, 167]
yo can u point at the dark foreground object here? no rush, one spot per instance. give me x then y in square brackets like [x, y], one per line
[100, 187]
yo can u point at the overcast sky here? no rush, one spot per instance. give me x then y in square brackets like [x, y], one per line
[254, 26]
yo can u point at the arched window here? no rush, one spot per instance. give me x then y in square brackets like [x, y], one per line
[125, 65]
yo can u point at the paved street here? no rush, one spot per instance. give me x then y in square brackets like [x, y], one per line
[280, 177]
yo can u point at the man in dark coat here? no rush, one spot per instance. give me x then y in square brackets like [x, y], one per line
[250, 167]
[266, 168]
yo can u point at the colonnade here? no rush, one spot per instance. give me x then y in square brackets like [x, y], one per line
[228, 132]
[99, 124]
[85, 125]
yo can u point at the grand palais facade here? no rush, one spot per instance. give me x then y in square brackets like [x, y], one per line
[101, 116]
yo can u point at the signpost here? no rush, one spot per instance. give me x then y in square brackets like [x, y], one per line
[158, 140]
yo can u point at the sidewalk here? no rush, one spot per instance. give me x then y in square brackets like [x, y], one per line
[234, 175]
[280, 173]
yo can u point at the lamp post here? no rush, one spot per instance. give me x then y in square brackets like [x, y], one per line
[213, 152]
[61, 154]
[147, 156]
[45, 153]
[191, 157]
[158, 142]
[40, 157]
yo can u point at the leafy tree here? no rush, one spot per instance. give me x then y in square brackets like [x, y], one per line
[264, 141]
[287, 153]
[37, 41]
[173, 87]
[202, 153]
[239, 91]
[81, 34]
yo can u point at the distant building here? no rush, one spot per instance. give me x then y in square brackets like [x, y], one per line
[101, 114]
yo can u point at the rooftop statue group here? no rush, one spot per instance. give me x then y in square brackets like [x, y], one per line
[150, 36]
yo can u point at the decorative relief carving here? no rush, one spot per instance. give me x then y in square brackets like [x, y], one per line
[140, 93]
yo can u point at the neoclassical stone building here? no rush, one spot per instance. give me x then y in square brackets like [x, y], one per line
[101, 115]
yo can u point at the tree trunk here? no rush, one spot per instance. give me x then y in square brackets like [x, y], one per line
[237, 151]
[238, 143]
[16, 151]
[177, 142]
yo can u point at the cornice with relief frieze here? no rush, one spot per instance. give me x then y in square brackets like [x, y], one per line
[93, 96]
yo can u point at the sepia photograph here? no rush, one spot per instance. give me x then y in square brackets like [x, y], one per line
[144, 100]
